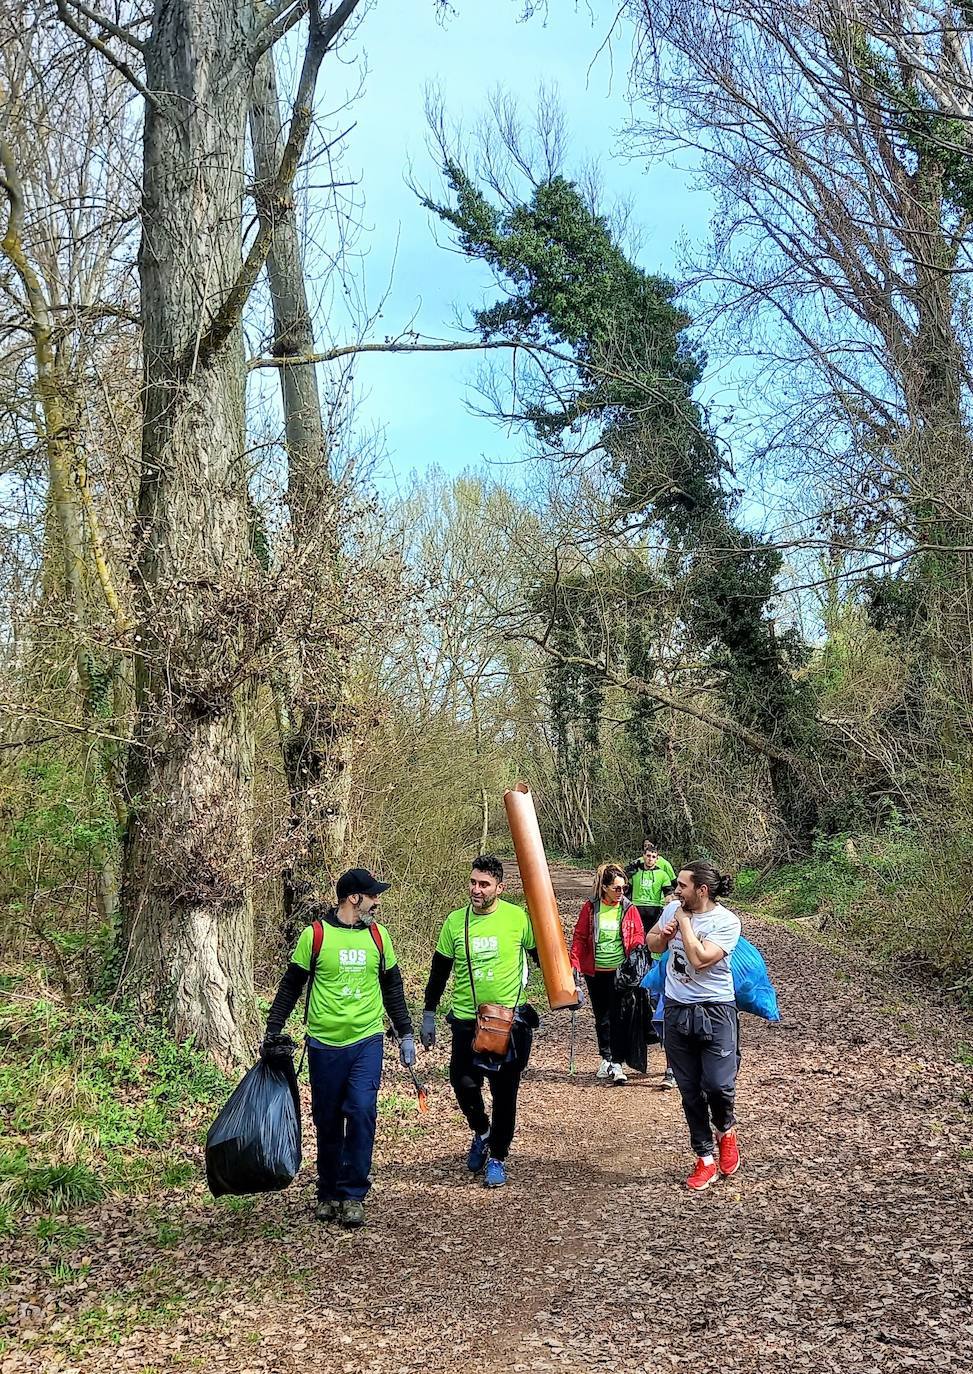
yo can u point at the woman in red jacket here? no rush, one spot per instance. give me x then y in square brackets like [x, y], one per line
[609, 928]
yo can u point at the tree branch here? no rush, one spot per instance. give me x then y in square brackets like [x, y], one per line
[321, 36]
[414, 343]
[330, 355]
[277, 23]
[109, 26]
[100, 47]
[637, 686]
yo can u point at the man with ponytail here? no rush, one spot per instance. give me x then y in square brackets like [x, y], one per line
[701, 1016]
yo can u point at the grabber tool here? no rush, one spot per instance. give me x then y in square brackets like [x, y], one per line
[422, 1092]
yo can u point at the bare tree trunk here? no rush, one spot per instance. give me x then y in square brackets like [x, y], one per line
[188, 871]
[311, 708]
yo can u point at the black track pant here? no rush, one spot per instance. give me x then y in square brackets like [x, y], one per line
[467, 1082]
[604, 1008]
[701, 1047]
[649, 915]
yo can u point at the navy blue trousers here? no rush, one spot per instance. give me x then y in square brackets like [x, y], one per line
[344, 1104]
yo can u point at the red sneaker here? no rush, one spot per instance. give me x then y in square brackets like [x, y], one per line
[729, 1153]
[703, 1175]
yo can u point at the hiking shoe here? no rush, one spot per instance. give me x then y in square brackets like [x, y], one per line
[668, 1081]
[729, 1153]
[703, 1175]
[478, 1155]
[496, 1174]
[617, 1074]
[327, 1211]
[352, 1213]
[604, 1069]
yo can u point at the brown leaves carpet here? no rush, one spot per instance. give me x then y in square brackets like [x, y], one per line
[844, 1244]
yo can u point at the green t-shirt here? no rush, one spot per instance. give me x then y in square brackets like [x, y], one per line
[647, 883]
[498, 945]
[609, 949]
[346, 998]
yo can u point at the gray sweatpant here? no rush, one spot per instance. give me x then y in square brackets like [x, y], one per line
[701, 1047]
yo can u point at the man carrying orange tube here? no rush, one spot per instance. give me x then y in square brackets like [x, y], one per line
[484, 945]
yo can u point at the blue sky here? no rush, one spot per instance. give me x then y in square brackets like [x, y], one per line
[419, 402]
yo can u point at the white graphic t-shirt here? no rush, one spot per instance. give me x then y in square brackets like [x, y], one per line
[714, 984]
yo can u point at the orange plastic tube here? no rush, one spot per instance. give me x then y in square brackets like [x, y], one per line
[552, 951]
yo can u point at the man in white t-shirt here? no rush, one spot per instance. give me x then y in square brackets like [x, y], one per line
[701, 1016]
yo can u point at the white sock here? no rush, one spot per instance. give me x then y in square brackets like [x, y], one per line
[707, 1159]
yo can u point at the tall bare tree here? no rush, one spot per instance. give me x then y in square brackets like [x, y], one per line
[65, 176]
[310, 687]
[838, 259]
[202, 615]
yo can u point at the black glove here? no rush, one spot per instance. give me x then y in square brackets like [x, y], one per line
[277, 1047]
[427, 1031]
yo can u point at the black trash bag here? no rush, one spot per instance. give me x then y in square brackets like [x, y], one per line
[633, 969]
[634, 1027]
[254, 1145]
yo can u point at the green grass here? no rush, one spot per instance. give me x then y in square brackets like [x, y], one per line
[167, 1235]
[820, 885]
[153, 1302]
[54, 1186]
[54, 1233]
[110, 1323]
[392, 1103]
[107, 1102]
[239, 1206]
[178, 1173]
[894, 892]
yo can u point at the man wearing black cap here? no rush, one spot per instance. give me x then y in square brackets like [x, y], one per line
[355, 976]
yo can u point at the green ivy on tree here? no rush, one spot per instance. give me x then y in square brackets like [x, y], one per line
[619, 376]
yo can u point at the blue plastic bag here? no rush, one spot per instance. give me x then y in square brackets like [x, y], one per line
[751, 982]
[655, 980]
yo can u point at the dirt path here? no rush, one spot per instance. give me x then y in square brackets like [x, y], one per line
[844, 1244]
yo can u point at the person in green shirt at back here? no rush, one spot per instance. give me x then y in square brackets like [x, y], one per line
[356, 980]
[484, 945]
[653, 879]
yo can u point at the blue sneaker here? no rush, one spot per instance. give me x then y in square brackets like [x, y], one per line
[496, 1174]
[478, 1155]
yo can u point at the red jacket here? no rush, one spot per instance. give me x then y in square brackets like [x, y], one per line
[583, 940]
